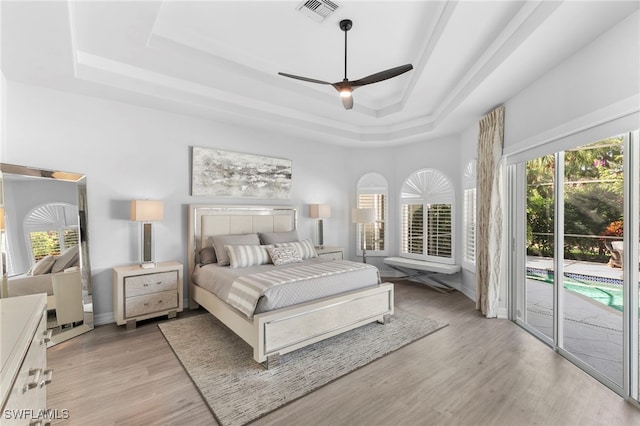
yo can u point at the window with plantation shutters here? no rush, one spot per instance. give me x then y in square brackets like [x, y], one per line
[372, 193]
[51, 229]
[469, 215]
[427, 217]
[470, 226]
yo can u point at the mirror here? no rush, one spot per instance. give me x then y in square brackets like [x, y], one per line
[44, 244]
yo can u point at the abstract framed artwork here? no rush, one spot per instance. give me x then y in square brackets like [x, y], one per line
[222, 173]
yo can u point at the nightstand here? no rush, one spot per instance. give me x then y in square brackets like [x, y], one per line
[333, 253]
[142, 293]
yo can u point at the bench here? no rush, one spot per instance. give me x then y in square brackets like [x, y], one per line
[424, 272]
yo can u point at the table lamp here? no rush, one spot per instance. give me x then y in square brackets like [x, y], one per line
[320, 211]
[146, 211]
[362, 217]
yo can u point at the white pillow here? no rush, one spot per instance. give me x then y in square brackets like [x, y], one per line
[42, 266]
[278, 237]
[67, 259]
[305, 248]
[243, 256]
[284, 255]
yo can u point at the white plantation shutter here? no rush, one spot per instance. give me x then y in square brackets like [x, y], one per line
[469, 214]
[372, 192]
[439, 228]
[374, 232]
[470, 225]
[427, 217]
[412, 239]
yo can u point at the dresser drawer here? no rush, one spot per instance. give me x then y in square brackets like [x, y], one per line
[28, 394]
[147, 304]
[150, 283]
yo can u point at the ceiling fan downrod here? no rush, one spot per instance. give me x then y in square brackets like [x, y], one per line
[345, 25]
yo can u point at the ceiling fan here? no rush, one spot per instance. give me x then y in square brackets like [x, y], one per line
[346, 87]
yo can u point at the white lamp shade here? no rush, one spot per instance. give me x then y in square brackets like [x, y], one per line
[146, 210]
[319, 211]
[363, 215]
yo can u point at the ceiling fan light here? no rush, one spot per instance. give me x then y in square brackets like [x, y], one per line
[345, 92]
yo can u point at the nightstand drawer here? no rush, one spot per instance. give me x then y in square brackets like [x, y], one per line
[336, 255]
[156, 302]
[150, 283]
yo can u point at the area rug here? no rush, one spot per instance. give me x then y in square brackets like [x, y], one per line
[239, 390]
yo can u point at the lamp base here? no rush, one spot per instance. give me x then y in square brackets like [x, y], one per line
[148, 265]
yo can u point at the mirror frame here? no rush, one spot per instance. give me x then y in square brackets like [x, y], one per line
[59, 334]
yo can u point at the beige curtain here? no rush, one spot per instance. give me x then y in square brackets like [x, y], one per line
[489, 211]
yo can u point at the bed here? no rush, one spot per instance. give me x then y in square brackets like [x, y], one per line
[40, 278]
[280, 327]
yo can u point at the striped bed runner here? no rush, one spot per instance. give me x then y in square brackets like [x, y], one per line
[246, 290]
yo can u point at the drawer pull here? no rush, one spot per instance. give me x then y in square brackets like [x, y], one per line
[48, 376]
[34, 383]
[46, 336]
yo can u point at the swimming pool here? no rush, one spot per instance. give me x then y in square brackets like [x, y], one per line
[609, 292]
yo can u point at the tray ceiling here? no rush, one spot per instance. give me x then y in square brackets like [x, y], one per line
[220, 59]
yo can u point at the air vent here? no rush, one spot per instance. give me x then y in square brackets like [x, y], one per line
[317, 9]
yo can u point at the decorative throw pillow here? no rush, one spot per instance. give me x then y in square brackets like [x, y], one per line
[278, 237]
[207, 256]
[284, 255]
[42, 266]
[219, 241]
[305, 248]
[67, 259]
[243, 256]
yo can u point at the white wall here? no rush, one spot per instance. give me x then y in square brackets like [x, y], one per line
[129, 152]
[588, 87]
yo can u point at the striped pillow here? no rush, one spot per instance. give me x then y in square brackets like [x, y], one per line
[243, 256]
[305, 248]
[284, 255]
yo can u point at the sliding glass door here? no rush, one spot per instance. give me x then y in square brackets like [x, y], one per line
[576, 280]
[540, 211]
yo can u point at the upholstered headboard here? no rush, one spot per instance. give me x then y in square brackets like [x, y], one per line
[206, 220]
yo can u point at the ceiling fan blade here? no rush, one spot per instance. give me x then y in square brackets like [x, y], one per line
[347, 101]
[310, 80]
[382, 75]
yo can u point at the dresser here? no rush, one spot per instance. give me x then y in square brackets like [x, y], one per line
[142, 293]
[23, 352]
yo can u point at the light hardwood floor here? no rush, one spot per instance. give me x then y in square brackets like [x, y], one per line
[473, 372]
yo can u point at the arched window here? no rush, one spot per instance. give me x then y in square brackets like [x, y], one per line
[469, 214]
[50, 229]
[372, 192]
[427, 212]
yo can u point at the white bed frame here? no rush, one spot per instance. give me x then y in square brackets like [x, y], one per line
[278, 332]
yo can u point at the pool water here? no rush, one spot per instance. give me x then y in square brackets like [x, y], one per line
[608, 295]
